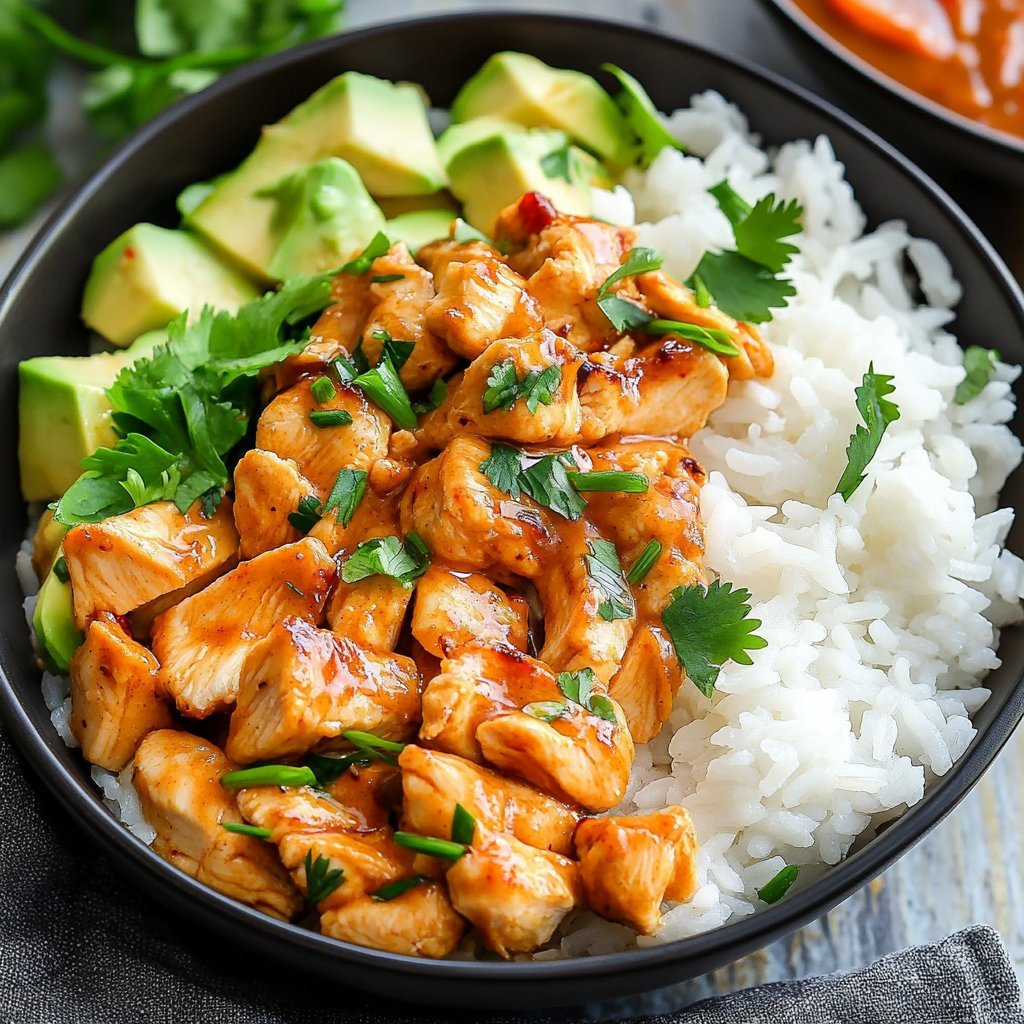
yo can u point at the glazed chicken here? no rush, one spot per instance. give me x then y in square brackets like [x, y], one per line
[421, 634]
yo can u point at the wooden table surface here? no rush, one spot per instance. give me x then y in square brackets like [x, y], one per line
[969, 869]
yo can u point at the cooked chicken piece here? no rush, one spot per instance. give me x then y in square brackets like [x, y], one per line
[202, 642]
[400, 313]
[434, 783]
[555, 421]
[647, 682]
[628, 866]
[178, 778]
[478, 302]
[429, 665]
[609, 390]
[476, 683]
[574, 588]
[370, 612]
[46, 542]
[114, 696]
[671, 300]
[267, 490]
[301, 810]
[419, 922]
[125, 561]
[369, 793]
[285, 429]
[579, 756]
[469, 523]
[302, 686]
[456, 608]
[436, 256]
[515, 895]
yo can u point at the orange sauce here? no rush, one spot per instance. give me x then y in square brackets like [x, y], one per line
[967, 55]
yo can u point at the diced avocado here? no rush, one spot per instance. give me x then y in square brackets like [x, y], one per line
[54, 623]
[488, 175]
[395, 206]
[46, 542]
[64, 414]
[148, 275]
[523, 89]
[324, 215]
[418, 228]
[379, 127]
[458, 136]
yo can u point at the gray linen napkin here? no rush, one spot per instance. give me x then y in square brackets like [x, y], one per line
[80, 946]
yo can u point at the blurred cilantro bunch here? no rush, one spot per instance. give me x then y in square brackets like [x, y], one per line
[179, 47]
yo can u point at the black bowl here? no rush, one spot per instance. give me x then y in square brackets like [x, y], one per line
[928, 131]
[208, 133]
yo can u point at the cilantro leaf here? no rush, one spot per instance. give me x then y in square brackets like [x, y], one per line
[435, 396]
[710, 627]
[505, 387]
[503, 468]
[979, 365]
[404, 561]
[546, 479]
[877, 412]
[556, 163]
[639, 260]
[580, 688]
[395, 351]
[321, 878]
[642, 117]
[348, 490]
[606, 573]
[623, 314]
[744, 282]
[307, 515]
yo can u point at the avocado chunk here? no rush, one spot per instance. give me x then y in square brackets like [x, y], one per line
[64, 414]
[379, 127]
[54, 624]
[148, 275]
[497, 170]
[418, 228]
[324, 214]
[523, 89]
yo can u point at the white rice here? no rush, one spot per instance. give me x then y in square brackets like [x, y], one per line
[882, 615]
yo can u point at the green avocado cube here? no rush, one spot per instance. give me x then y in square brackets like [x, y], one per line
[520, 88]
[54, 624]
[149, 275]
[379, 127]
[324, 214]
[419, 227]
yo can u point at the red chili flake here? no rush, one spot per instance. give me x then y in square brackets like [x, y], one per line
[129, 253]
[536, 212]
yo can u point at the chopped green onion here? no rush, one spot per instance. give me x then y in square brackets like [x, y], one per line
[367, 739]
[384, 388]
[386, 278]
[463, 826]
[346, 494]
[609, 480]
[323, 390]
[774, 890]
[330, 417]
[546, 710]
[643, 565]
[268, 775]
[321, 878]
[430, 846]
[60, 569]
[710, 337]
[240, 828]
[386, 893]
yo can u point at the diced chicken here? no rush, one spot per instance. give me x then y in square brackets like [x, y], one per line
[628, 866]
[285, 429]
[478, 302]
[370, 612]
[555, 421]
[456, 608]
[302, 687]
[479, 682]
[609, 391]
[369, 793]
[202, 642]
[470, 524]
[267, 490]
[419, 922]
[123, 562]
[433, 783]
[578, 757]
[114, 696]
[514, 895]
[429, 665]
[302, 810]
[178, 777]
[436, 256]
[671, 300]
[400, 313]
[375, 516]
[647, 682]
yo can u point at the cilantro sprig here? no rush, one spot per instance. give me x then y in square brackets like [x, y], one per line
[577, 688]
[505, 387]
[321, 878]
[746, 282]
[710, 627]
[877, 412]
[181, 411]
[605, 572]
[544, 479]
[405, 561]
[979, 366]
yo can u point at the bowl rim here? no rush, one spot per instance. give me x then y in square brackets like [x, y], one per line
[741, 933]
[1004, 142]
